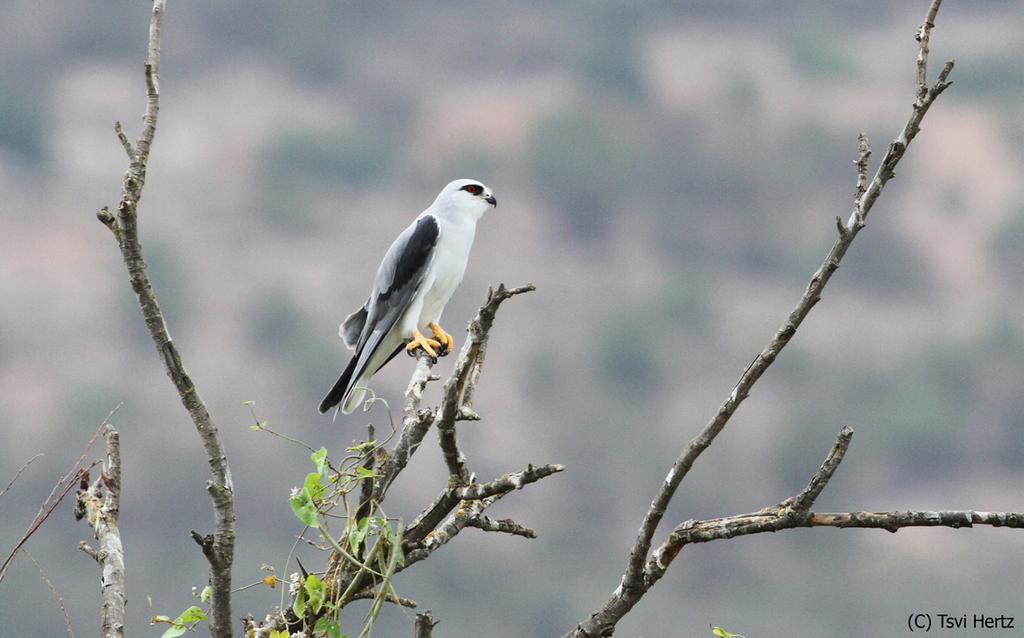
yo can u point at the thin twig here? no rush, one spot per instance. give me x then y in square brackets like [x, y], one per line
[805, 500]
[772, 520]
[369, 594]
[505, 526]
[429, 518]
[508, 482]
[119, 131]
[60, 489]
[18, 473]
[415, 424]
[924, 38]
[53, 592]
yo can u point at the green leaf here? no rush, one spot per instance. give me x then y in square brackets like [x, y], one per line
[299, 606]
[304, 510]
[328, 627]
[313, 486]
[722, 633]
[364, 472]
[192, 614]
[396, 545]
[280, 634]
[206, 594]
[358, 534]
[174, 631]
[362, 446]
[317, 592]
[319, 459]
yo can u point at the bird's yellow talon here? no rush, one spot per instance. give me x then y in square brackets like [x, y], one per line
[429, 346]
[446, 340]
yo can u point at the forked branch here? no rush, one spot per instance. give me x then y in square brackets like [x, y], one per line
[636, 579]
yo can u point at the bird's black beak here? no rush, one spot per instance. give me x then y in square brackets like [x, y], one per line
[490, 200]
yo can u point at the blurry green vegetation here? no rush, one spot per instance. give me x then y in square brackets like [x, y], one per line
[817, 155]
[627, 352]
[473, 161]
[1008, 243]
[820, 53]
[301, 165]
[611, 62]
[743, 92]
[284, 332]
[629, 340]
[928, 407]
[1001, 78]
[22, 124]
[87, 401]
[612, 65]
[170, 281]
[584, 167]
[887, 262]
[354, 158]
[311, 38]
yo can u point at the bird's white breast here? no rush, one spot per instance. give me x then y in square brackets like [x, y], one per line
[443, 276]
[449, 265]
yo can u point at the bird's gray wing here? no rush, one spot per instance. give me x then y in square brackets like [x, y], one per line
[398, 279]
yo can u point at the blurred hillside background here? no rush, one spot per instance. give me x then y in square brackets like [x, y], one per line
[668, 177]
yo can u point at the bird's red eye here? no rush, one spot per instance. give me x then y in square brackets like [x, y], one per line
[473, 189]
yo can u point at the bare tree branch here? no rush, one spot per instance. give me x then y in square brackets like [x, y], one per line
[505, 526]
[370, 594]
[415, 424]
[805, 499]
[101, 504]
[53, 592]
[450, 497]
[634, 583]
[469, 358]
[425, 623]
[507, 483]
[74, 476]
[218, 547]
[416, 421]
[793, 512]
[449, 529]
[460, 504]
[18, 473]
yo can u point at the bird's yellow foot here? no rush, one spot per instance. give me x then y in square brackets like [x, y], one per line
[419, 341]
[445, 339]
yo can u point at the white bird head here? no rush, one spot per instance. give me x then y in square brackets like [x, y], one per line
[464, 198]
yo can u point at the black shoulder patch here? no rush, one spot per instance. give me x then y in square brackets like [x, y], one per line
[414, 257]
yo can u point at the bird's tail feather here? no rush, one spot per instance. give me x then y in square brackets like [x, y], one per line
[340, 388]
[354, 398]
